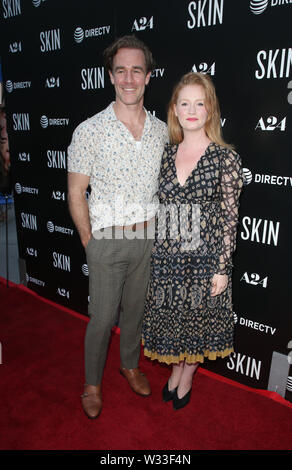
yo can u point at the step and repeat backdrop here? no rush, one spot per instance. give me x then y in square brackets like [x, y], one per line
[54, 78]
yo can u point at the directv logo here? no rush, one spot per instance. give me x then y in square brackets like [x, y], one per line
[80, 34]
[51, 228]
[25, 189]
[45, 122]
[10, 86]
[278, 180]
[258, 6]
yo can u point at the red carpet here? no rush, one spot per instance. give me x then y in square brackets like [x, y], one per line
[42, 380]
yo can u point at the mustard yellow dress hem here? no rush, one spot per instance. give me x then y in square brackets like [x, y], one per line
[190, 359]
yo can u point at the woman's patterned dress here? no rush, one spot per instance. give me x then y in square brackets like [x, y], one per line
[195, 238]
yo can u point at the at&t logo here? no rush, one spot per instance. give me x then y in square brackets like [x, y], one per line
[258, 6]
[18, 188]
[9, 86]
[50, 227]
[78, 34]
[36, 3]
[44, 122]
[84, 269]
[247, 176]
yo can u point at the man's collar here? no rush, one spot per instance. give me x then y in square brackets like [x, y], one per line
[110, 114]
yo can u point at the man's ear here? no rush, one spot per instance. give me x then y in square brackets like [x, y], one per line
[147, 78]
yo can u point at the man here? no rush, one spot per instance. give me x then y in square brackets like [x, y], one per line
[118, 152]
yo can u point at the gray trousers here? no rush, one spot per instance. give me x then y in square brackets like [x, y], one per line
[118, 276]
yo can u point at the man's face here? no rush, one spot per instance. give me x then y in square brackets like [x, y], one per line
[129, 76]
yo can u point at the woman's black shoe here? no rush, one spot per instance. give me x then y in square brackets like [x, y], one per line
[181, 402]
[168, 395]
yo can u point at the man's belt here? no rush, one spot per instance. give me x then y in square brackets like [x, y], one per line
[136, 226]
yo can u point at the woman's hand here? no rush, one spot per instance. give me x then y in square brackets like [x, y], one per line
[219, 284]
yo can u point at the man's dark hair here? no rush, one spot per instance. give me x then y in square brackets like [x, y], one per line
[130, 42]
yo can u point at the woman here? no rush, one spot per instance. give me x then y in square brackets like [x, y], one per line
[188, 314]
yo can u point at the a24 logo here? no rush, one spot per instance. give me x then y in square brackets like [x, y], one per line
[142, 24]
[52, 82]
[203, 67]
[254, 279]
[272, 123]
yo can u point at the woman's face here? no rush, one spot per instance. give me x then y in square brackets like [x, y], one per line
[190, 108]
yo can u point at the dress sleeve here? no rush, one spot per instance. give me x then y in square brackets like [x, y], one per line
[231, 186]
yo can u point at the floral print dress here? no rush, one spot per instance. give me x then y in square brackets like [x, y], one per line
[182, 321]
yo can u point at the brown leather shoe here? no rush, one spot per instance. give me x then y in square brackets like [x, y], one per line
[137, 381]
[91, 401]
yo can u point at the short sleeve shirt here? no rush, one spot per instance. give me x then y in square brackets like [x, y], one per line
[123, 173]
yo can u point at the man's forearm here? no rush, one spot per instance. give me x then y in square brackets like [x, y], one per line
[78, 208]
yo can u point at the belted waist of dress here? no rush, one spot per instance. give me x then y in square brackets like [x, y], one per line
[193, 202]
